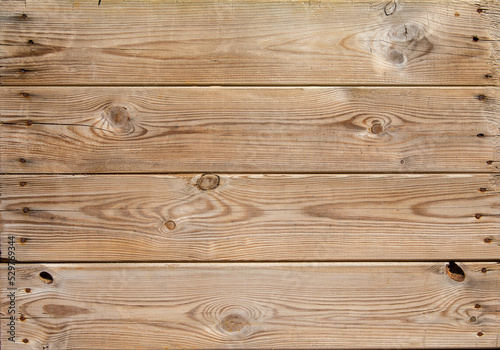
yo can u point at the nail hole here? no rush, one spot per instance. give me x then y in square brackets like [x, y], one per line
[22, 71]
[22, 318]
[27, 290]
[457, 14]
[24, 16]
[475, 38]
[482, 189]
[29, 122]
[22, 160]
[481, 97]
[25, 341]
[402, 161]
[480, 334]
[46, 277]
[23, 240]
[170, 224]
[26, 210]
[25, 94]
[22, 184]
[487, 240]
[477, 306]
[489, 162]
[478, 216]
[479, 10]
[488, 76]
[484, 270]
[30, 42]
[455, 272]
[472, 319]
[480, 135]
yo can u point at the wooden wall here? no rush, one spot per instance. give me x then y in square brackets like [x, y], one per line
[202, 174]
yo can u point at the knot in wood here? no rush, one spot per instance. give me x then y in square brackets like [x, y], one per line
[397, 57]
[390, 7]
[406, 33]
[404, 42]
[117, 116]
[377, 128]
[233, 323]
[208, 182]
[455, 272]
[170, 224]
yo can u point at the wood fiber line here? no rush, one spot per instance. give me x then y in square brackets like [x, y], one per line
[251, 217]
[421, 42]
[248, 130]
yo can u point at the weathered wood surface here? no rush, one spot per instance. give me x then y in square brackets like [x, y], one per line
[258, 306]
[262, 130]
[194, 42]
[252, 217]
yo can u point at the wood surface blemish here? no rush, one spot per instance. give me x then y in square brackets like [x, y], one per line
[455, 272]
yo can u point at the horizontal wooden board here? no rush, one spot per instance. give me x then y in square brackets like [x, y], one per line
[264, 42]
[253, 306]
[251, 217]
[281, 130]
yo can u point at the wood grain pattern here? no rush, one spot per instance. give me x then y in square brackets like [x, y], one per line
[195, 42]
[255, 306]
[252, 217]
[262, 130]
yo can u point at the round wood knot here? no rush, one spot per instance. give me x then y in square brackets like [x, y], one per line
[170, 224]
[117, 116]
[377, 128]
[208, 182]
[397, 57]
[402, 43]
[233, 323]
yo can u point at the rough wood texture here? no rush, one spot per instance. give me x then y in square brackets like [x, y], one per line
[428, 42]
[258, 306]
[109, 130]
[252, 217]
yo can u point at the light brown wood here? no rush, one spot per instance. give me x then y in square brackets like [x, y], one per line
[424, 42]
[257, 306]
[252, 217]
[282, 130]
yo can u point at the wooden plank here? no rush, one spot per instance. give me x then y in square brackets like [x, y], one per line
[263, 130]
[251, 217]
[264, 42]
[254, 306]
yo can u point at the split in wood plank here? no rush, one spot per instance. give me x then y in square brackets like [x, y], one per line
[265, 42]
[261, 130]
[251, 217]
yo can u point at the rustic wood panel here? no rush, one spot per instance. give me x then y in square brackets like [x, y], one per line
[193, 42]
[251, 217]
[258, 306]
[110, 130]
